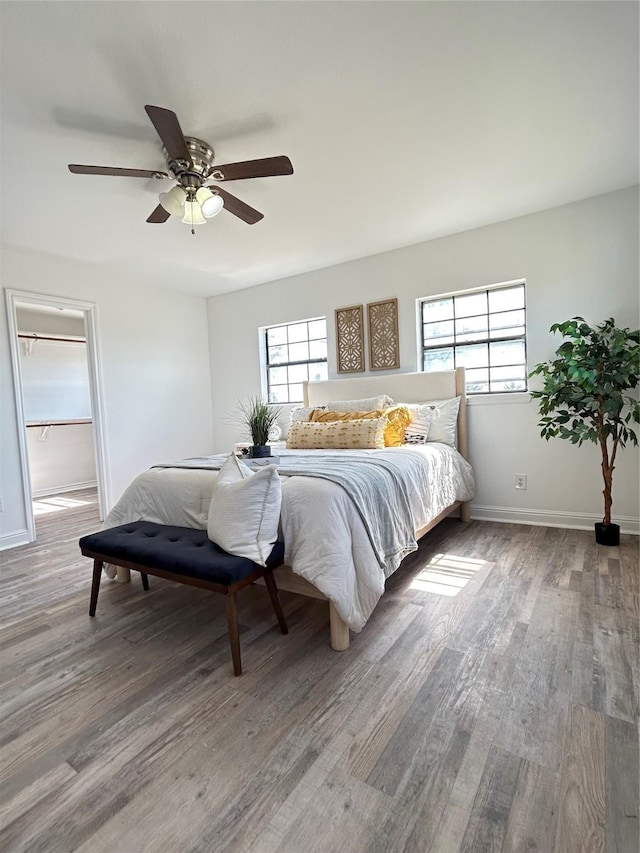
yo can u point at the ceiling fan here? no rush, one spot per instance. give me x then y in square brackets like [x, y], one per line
[190, 162]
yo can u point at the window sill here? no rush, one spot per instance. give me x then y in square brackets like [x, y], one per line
[517, 398]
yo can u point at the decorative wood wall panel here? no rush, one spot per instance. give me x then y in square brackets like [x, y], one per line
[350, 339]
[384, 346]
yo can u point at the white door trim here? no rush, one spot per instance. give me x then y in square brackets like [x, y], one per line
[89, 310]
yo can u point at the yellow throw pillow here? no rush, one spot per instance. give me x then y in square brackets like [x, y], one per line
[398, 418]
[323, 416]
[361, 434]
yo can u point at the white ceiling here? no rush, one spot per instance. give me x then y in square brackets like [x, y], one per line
[404, 122]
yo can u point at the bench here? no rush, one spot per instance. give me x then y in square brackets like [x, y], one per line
[185, 555]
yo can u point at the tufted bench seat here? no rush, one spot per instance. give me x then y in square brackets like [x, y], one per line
[187, 556]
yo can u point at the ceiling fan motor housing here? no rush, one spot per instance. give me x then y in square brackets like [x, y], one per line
[195, 173]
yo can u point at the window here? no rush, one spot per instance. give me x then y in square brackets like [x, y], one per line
[295, 353]
[481, 330]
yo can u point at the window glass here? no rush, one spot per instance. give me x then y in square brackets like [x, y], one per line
[483, 331]
[438, 359]
[298, 332]
[277, 335]
[298, 373]
[294, 353]
[437, 309]
[317, 329]
[471, 306]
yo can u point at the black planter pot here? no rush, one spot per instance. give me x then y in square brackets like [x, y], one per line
[607, 534]
[259, 451]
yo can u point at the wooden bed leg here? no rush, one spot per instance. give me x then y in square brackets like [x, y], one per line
[95, 586]
[123, 575]
[465, 511]
[339, 630]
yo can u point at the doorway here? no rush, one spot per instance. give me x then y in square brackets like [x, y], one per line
[59, 403]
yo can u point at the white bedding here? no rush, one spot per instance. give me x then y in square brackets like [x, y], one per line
[325, 539]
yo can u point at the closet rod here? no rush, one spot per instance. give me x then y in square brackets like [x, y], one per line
[34, 336]
[58, 423]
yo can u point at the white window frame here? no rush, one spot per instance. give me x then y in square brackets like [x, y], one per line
[518, 395]
[263, 332]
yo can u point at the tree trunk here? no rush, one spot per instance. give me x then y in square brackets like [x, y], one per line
[607, 475]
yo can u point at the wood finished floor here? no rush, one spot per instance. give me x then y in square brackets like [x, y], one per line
[501, 718]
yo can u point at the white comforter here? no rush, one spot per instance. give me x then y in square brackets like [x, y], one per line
[325, 539]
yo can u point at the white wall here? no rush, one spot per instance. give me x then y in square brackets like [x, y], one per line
[155, 360]
[577, 259]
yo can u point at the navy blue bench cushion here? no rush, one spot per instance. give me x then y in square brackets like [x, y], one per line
[180, 550]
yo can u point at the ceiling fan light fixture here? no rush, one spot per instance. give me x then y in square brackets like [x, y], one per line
[210, 203]
[193, 214]
[174, 200]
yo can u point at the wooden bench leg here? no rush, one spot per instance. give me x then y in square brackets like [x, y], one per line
[95, 586]
[272, 589]
[234, 632]
[145, 580]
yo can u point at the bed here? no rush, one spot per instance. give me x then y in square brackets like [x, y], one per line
[330, 552]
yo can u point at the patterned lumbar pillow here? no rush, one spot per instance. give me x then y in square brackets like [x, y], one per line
[245, 510]
[417, 432]
[360, 434]
[398, 417]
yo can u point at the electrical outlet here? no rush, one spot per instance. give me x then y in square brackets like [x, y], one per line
[521, 481]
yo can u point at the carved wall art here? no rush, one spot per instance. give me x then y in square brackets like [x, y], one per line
[384, 346]
[350, 339]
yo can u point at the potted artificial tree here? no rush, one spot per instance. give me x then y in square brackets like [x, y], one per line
[260, 418]
[584, 397]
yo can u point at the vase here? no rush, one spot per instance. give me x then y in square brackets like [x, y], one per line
[259, 451]
[607, 534]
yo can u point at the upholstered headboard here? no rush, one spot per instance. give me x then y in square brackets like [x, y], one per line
[401, 387]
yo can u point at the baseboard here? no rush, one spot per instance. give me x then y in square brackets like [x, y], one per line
[74, 487]
[14, 540]
[550, 518]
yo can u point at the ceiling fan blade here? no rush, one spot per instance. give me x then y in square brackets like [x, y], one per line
[113, 170]
[159, 215]
[168, 127]
[264, 168]
[243, 211]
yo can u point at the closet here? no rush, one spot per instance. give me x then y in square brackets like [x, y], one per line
[57, 401]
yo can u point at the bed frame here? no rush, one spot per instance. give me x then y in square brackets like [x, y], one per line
[403, 388]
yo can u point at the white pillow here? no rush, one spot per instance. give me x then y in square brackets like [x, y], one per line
[245, 510]
[443, 424]
[301, 414]
[368, 404]
[434, 420]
